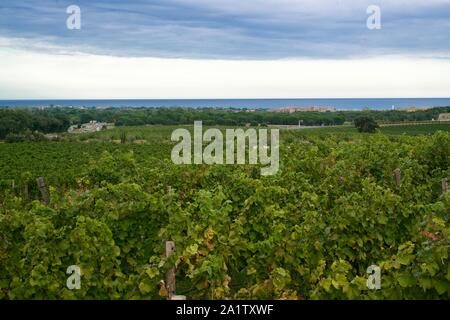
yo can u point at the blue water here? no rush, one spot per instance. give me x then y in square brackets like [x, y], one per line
[340, 104]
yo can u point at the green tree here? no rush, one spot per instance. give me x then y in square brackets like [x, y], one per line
[366, 124]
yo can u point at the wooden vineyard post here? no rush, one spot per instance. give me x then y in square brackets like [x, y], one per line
[398, 176]
[444, 185]
[43, 188]
[170, 276]
[25, 192]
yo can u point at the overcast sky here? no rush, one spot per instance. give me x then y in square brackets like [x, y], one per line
[224, 49]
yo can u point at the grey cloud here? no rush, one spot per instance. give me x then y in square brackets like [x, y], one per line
[232, 29]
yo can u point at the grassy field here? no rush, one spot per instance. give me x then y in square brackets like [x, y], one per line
[390, 130]
[161, 134]
[416, 129]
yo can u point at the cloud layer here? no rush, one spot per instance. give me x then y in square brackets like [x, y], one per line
[231, 29]
[28, 75]
[224, 49]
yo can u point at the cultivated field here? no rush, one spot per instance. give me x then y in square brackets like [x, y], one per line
[311, 231]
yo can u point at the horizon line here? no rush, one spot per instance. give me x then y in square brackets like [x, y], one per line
[143, 99]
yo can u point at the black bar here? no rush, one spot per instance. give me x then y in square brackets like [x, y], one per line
[198, 309]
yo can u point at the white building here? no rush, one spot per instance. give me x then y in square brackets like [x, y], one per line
[92, 126]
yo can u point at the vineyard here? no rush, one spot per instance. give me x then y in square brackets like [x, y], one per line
[310, 232]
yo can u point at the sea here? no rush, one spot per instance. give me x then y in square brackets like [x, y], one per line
[339, 104]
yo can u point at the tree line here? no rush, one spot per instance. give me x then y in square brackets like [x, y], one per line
[57, 119]
[17, 121]
[213, 116]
